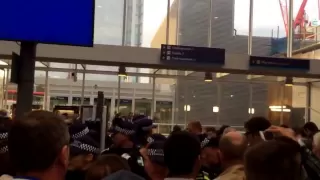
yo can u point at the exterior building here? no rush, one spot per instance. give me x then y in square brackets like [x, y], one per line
[235, 97]
[109, 22]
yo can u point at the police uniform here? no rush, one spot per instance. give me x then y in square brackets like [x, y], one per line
[131, 155]
[206, 173]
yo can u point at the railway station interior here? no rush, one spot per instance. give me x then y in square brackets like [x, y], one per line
[72, 76]
[160, 90]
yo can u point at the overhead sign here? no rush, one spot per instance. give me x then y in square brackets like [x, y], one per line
[67, 22]
[280, 63]
[176, 53]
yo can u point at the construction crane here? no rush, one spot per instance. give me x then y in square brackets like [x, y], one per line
[301, 19]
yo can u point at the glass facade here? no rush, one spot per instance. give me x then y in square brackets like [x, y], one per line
[176, 97]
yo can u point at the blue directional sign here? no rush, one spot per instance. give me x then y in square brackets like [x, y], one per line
[176, 53]
[280, 63]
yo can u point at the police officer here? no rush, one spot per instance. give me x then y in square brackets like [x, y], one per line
[143, 128]
[122, 133]
[210, 158]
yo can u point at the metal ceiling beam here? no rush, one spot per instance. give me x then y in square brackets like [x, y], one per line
[45, 63]
[154, 75]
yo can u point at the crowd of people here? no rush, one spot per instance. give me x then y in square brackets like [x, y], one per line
[42, 146]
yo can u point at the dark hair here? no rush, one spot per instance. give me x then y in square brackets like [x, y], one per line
[231, 150]
[181, 151]
[176, 128]
[274, 159]
[36, 140]
[221, 130]
[106, 165]
[210, 129]
[256, 124]
[310, 129]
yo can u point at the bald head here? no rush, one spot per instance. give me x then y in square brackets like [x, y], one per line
[232, 145]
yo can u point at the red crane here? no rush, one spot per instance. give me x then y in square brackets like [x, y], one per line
[299, 21]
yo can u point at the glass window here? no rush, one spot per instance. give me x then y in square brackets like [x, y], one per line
[58, 101]
[125, 106]
[77, 101]
[107, 102]
[163, 112]
[143, 106]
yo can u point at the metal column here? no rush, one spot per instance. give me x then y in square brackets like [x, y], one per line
[210, 25]
[178, 23]
[6, 89]
[168, 23]
[46, 91]
[283, 89]
[83, 86]
[124, 22]
[118, 101]
[290, 29]
[308, 103]
[250, 28]
[153, 105]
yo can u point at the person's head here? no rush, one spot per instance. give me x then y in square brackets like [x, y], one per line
[38, 144]
[106, 165]
[253, 126]
[176, 128]
[310, 128]
[232, 146]
[78, 130]
[276, 159]
[154, 160]
[83, 152]
[316, 144]
[228, 129]
[122, 132]
[194, 127]
[182, 155]
[221, 130]
[211, 131]
[143, 129]
[210, 153]
[156, 137]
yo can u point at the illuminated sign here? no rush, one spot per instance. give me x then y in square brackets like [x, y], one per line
[177, 53]
[280, 63]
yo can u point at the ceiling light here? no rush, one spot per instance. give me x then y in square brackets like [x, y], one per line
[208, 77]
[186, 108]
[289, 81]
[215, 109]
[122, 71]
[251, 110]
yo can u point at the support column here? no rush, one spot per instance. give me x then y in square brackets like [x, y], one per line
[83, 86]
[250, 28]
[153, 103]
[118, 101]
[210, 25]
[168, 23]
[308, 103]
[26, 78]
[290, 29]
[46, 91]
